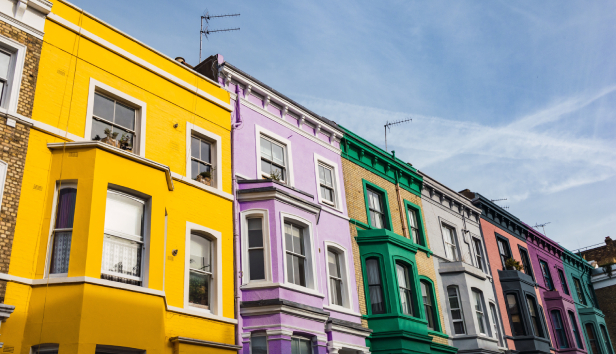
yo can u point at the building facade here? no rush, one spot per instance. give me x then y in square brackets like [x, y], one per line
[297, 276]
[526, 329]
[592, 319]
[22, 26]
[460, 259]
[555, 290]
[400, 297]
[119, 246]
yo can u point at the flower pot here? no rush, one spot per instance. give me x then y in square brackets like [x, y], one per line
[110, 141]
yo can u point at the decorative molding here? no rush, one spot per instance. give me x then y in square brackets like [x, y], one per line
[272, 192]
[275, 309]
[141, 62]
[266, 102]
[204, 343]
[247, 91]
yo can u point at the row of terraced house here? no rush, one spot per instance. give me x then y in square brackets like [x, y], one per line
[148, 205]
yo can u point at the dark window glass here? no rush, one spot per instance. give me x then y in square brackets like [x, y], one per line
[273, 162]
[375, 288]
[118, 118]
[515, 315]
[503, 251]
[426, 295]
[561, 337]
[547, 276]
[534, 316]
[528, 269]
[258, 345]
[201, 160]
[606, 340]
[578, 290]
[576, 330]
[456, 310]
[592, 338]
[63, 231]
[478, 253]
[301, 346]
[256, 258]
[563, 282]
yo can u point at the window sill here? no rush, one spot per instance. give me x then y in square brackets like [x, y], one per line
[302, 289]
[201, 186]
[438, 334]
[341, 309]
[268, 284]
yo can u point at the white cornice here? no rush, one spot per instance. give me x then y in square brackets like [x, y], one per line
[281, 101]
[141, 62]
[274, 309]
[278, 195]
[288, 125]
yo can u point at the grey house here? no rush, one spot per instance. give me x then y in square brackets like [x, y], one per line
[470, 309]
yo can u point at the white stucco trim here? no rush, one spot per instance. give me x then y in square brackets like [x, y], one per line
[288, 152]
[336, 171]
[139, 106]
[141, 62]
[16, 68]
[347, 296]
[217, 146]
[216, 293]
[311, 279]
[264, 215]
[178, 177]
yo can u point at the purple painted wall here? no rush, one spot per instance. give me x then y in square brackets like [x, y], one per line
[297, 200]
[544, 249]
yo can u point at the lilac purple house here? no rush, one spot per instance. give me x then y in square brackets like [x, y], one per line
[296, 285]
[562, 317]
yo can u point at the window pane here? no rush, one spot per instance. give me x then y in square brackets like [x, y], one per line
[103, 107]
[257, 264]
[374, 286]
[275, 170]
[266, 168]
[98, 129]
[200, 253]
[66, 208]
[332, 262]
[124, 214]
[290, 269]
[534, 317]
[560, 332]
[194, 169]
[124, 116]
[376, 220]
[412, 218]
[278, 154]
[321, 174]
[298, 240]
[327, 177]
[479, 311]
[205, 152]
[5, 61]
[195, 150]
[121, 256]
[401, 274]
[60, 252]
[288, 237]
[459, 327]
[125, 138]
[198, 289]
[336, 286]
[563, 282]
[592, 337]
[374, 277]
[327, 194]
[514, 313]
[255, 233]
[258, 345]
[266, 149]
[576, 331]
[374, 201]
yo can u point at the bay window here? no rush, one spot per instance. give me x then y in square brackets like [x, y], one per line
[123, 243]
[258, 343]
[375, 286]
[335, 277]
[515, 315]
[295, 253]
[300, 345]
[561, 337]
[256, 250]
[534, 316]
[592, 338]
[405, 290]
[63, 230]
[457, 316]
[479, 311]
[576, 330]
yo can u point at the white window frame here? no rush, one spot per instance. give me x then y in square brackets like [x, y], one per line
[496, 323]
[139, 106]
[264, 215]
[216, 152]
[481, 266]
[216, 282]
[347, 299]
[486, 324]
[318, 159]
[309, 242]
[4, 167]
[259, 131]
[460, 308]
[454, 236]
[59, 185]
[16, 67]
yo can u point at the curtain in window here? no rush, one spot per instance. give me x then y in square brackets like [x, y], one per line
[426, 295]
[121, 256]
[61, 252]
[406, 300]
[374, 286]
[66, 208]
[61, 247]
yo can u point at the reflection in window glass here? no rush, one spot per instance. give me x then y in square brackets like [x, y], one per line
[515, 316]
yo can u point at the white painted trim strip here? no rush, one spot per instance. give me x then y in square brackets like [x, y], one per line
[135, 59]
[178, 177]
[111, 284]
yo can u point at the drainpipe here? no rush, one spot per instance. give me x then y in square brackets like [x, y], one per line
[236, 236]
[405, 231]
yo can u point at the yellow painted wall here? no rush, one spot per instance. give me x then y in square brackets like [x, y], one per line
[80, 315]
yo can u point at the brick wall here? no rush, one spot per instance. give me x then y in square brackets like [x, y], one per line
[607, 303]
[602, 255]
[14, 144]
[353, 175]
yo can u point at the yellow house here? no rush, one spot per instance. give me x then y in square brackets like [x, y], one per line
[124, 234]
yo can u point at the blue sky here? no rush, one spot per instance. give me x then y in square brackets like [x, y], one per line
[513, 100]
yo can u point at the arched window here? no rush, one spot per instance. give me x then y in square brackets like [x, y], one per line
[606, 340]
[63, 230]
[576, 330]
[515, 315]
[427, 295]
[457, 316]
[375, 286]
[592, 338]
[337, 276]
[559, 328]
[534, 316]
[405, 289]
[256, 249]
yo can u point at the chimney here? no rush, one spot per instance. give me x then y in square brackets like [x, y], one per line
[608, 240]
[182, 61]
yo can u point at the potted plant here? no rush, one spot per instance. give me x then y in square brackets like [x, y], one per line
[205, 177]
[125, 143]
[276, 176]
[110, 138]
[512, 264]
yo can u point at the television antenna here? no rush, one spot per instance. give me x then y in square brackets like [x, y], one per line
[497, 200]
[537, 225]
[388, 126]
[207, 31]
